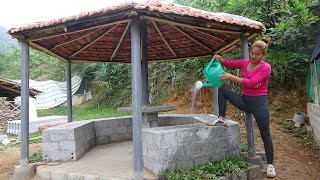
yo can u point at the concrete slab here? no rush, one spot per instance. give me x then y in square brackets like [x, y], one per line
[110, 161]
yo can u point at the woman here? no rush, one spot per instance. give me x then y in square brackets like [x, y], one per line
[254, 79]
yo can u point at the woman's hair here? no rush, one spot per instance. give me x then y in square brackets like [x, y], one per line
[262, 44]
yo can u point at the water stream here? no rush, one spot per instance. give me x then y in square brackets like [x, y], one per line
[196, 88]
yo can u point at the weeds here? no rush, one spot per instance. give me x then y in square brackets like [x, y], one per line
[211, 170]
[304, 136]
[244, 147]
[35, 157]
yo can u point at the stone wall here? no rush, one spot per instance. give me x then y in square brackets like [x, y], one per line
[314, 118]
[184, 141]
[186, 146]
[67, 142]
[112, 130]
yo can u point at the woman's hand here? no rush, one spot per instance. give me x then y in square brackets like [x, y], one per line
[225, 76]
[218, 58]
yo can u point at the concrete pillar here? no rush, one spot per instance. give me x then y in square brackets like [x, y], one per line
[136, 99]
[248, 116]
[144, 64]
[69, 91]
[25, 61]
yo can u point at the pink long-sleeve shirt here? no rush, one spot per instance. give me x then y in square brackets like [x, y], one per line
[255, 83]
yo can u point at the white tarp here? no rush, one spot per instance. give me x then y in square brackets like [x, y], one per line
[54, 92]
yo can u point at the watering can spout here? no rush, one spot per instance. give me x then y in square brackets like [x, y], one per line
[212, 72]
[207, 84]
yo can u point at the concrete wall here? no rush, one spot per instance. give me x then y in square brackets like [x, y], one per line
[314, 118]
[186, 146]
[112, 130]
[71, 141]
[67, 142]
[184, 141]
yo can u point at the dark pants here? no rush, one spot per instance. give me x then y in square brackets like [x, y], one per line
[258, 106]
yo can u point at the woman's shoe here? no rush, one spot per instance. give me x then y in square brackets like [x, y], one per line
[218, 122]
[271, 171]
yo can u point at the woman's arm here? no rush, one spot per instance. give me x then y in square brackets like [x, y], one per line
[232, 64]
[228, 76]
[260, 76]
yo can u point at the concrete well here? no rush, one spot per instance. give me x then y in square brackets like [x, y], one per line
[180, 141]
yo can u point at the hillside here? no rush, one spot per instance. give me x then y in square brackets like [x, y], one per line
[6, 42]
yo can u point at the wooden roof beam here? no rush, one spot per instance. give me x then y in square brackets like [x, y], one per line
[77, 52]
[191, 38]
[211, 36]
[120, 41]
[70, 41]
[190, 26]
[71, 32]
[10, 89]
[234, 44]
[40, 48]
[164, 40]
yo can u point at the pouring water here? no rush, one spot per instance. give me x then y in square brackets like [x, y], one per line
[196, 88]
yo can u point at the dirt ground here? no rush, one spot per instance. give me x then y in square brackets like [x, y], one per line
[293, 160]
[10, 157]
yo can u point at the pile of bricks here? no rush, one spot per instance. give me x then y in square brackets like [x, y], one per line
[8, 112]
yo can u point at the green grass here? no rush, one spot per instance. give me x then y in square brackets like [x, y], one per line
[211, 170]
[244, 146]
[83, 112]
[303, 136]
[35, 157]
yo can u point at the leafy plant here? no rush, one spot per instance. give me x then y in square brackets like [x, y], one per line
[305, 137]
[287, 68]
[211, 170]
[244, 147]
[35, 157]
[293, 25]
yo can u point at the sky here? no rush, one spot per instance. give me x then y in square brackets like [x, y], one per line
[17, 13]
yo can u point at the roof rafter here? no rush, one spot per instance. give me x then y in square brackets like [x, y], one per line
[36, 46]
[235, 45]
[10, 89]
[77, 52]
[120, 41]
[71, 32]
[191, 38]
[72, 40]
[211, 36]
[164, 40]
[190, 26]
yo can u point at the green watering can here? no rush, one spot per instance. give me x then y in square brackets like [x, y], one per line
[212, 72]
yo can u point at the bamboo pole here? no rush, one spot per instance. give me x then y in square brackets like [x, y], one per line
[97, 39]
[70, 41]
[191, 38]
[164, 40]
[120, 41]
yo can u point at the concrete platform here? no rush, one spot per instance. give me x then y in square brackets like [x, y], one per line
[104, 162]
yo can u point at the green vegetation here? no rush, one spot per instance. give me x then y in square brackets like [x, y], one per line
[303, 136]
[83, 112]
[35, 157]
[244, 147]
[211, 170]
